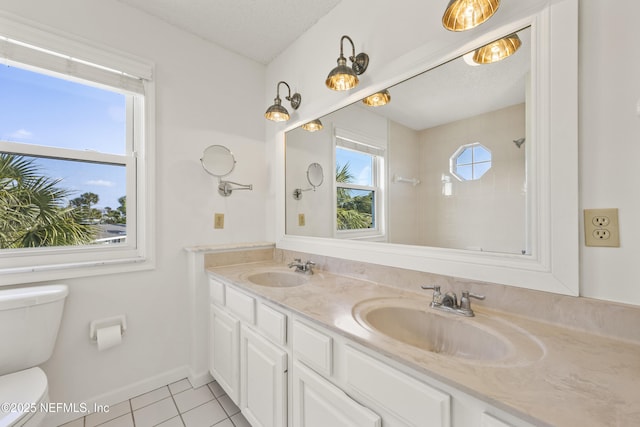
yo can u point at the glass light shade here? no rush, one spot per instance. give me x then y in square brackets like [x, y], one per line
[378, 99]
[342, 77]
[497, 50]
[312, 126]
[277, 112]
[462, 15]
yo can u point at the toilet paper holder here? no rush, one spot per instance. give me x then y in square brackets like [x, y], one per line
[105, 323]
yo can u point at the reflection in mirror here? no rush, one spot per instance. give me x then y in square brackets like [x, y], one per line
[315, 177]
[457, 130]
[218, 160]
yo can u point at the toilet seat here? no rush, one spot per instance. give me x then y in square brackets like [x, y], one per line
[27, 390]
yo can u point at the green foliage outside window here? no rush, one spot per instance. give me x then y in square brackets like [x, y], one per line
[34, 211]
[353, 211]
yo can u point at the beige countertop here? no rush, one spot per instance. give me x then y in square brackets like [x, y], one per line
[558, 376]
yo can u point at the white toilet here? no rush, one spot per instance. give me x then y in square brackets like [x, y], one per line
[29, 322]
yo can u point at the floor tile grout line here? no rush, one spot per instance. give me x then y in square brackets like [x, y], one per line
[172, 395]
[177, 409]
[133, 420]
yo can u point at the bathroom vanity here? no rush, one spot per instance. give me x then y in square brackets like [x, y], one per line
[322, 349]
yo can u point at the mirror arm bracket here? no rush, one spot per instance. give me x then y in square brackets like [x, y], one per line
[297, 193]
[225, 188]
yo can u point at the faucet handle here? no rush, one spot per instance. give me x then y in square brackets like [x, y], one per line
[465, 302]
[436, 288]
[468, 294]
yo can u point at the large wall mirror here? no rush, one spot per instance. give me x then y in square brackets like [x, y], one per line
[454, 174]
[442, 164]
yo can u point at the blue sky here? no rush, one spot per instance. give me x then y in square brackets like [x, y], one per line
[359, 165]
[44, 110]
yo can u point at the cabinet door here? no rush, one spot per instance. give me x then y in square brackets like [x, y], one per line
[318, 403]
[263, 396]
[224, 351]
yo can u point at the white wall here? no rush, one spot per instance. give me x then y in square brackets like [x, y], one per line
[205, 95]
[487, 214]
[404, 162]
[609, 92]
[610, 142]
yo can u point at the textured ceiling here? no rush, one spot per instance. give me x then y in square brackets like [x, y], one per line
[238, 24]
[456, 91]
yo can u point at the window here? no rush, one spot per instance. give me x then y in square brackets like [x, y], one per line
[470, 162]
[75, 162]
[359, 201]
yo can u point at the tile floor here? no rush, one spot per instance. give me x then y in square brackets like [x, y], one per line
[175, 405]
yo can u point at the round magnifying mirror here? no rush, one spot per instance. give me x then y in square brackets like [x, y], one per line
[218, 160]
[315, 176]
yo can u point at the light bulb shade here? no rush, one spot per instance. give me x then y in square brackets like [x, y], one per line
[277, 112]
[378, 99]
[312, 126]
[342, 77]
[497, 50]
[462, 15]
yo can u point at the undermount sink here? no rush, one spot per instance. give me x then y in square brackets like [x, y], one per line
[277, 279]
[476, 339]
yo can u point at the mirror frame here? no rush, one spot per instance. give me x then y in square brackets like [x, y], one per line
[554, 223]
[227, 151]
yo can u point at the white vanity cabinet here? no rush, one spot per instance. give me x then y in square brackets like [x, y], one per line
[224, 351]
[263, 380]
[283, 369]
[403, 400]
[318, 403]
[247, 355]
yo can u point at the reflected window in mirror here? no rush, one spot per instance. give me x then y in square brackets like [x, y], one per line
[358, 194]
[470, 162]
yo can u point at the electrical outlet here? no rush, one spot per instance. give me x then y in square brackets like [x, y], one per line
[218, 220]
[301, 220]
[601, 227]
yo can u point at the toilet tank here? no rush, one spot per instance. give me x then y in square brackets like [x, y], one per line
[29, 322]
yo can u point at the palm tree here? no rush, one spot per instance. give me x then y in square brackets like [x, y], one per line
[350, 214]
[32, 211]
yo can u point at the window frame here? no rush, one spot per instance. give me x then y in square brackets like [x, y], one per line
[45, 52]
[453, 164]
[366, 145]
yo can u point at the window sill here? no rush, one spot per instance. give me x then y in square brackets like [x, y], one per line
[55, 272]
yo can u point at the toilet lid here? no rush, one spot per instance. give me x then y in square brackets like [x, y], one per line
[28, 386]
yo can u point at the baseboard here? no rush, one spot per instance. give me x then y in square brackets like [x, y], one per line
[124, 393]
[199, 379]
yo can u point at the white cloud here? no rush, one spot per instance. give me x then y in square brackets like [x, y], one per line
[20, 135]
[364, 177]
[101, 183]
[116, 113]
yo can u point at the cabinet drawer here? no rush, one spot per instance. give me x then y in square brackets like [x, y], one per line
[313, 347]
[216, 291]
[241, 304]
[401, 396]
[272, 323]
[488, 420]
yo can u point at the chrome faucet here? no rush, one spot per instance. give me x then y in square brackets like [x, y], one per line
[306, 267]
[449, 301]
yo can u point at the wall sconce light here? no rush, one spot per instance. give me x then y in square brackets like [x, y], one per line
[312, 126]
[343, 77]
[277, 112]
[497, 50]
[378, 99]
[462, 15]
